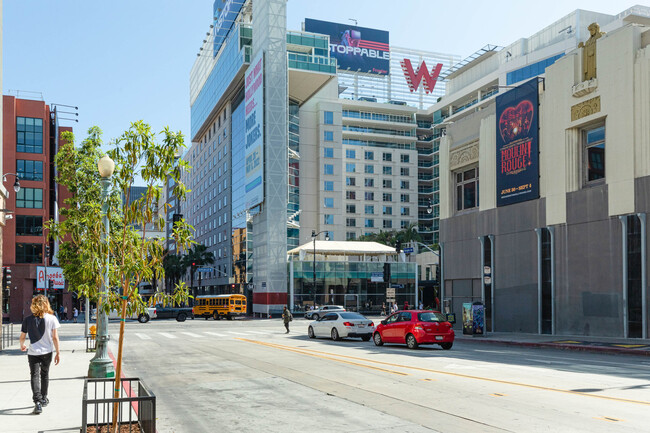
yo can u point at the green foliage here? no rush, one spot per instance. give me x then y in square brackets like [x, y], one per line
[390, 238]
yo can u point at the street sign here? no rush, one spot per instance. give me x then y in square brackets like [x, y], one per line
[377, 277]
[204, 270]
[408, 250]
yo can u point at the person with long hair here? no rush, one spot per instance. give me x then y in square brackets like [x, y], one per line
[41, 327]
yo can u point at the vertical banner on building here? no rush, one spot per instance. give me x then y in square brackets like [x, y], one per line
[254, 115]
[518, 144]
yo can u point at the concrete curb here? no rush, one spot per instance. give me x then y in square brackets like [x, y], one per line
[579, 348]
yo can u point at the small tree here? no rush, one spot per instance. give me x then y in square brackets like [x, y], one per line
[132, 256]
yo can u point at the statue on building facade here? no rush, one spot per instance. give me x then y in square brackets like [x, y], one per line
[589, 52]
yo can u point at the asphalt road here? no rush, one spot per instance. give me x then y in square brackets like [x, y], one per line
[249, 376]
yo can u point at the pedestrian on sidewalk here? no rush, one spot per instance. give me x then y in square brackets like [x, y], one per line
[75, 314]
[286, 317]
[41, 327]
[65, 313]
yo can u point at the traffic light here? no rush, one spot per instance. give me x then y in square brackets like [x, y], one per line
[398, 246]
[387, 272]
[47, 254]
[7, 278]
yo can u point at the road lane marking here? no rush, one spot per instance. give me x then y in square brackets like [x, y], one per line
[448, 373]
[192, 334]
[302, 352]
[428, 380]
[142, 336]
[496, 394]
[215, 334]
[235, 333]
[258, 332]
[607, 418]
[166, 334]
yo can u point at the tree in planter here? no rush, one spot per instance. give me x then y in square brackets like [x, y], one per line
[133, 256]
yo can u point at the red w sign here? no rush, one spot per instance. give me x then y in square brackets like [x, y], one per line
[414, 78]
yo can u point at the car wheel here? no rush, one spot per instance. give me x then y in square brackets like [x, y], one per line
[411, 342]
[181, 317]
[229, 317]
[377, 339]
[215, 315]
[446, 346]
[366, 338]
[143, 318]
[335, 334]
[310, 332]
[315, 317]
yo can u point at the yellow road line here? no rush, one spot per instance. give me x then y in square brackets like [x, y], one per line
[327, 355]
[607, 418]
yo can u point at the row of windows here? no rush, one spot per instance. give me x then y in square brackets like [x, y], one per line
[370, 223]
[29, 135]
[351, 167]
[370, 210]
[369, 182]
[29, 170]
[370, 196]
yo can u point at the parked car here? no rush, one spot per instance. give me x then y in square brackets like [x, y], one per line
[144, 317]
[342, 325]
[178, 313]
[321, 311]
[415, 327]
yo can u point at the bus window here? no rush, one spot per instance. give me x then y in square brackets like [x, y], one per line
[237, 302]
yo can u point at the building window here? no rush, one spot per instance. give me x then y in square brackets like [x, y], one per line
[328, 202]
[405, 224]
[328, 118]
[350, 208]
[350, 195]
[29, 170]
[370, 223]
[404, 158]
[370, 209]
[387, 157]
[369, 183]
[29, 135]
[30, 198]
[369, 156]
[387, 170]
[369, 169]
[328, 152]
[328, 136]
[328, 169]
[387, 210]
[387, 196]
[405, 211]
[369, 196]
[350, 222]
[328, 185]
[29, 253]
[594, 154]
[350, 153]
[404, 184]
[388, 224]
[350, 167]
[27, 225]
[404, 198]
[350, 181]
[404, 171]
[387, 183]
[350, 236]
[467, 189]
[328, 219]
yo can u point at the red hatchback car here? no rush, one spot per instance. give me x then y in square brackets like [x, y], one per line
[415, 327]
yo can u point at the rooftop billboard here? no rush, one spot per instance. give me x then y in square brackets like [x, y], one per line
[355, 48]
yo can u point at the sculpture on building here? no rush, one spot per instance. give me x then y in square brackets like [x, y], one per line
[589, 52]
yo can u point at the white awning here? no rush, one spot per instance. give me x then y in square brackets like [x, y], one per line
[344, 248]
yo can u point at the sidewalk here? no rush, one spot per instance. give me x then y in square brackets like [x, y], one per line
[63, 414]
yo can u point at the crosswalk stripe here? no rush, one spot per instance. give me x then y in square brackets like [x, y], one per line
[166, 334]
[215, 334]
[143, 336]
[258, 332]
[192, 334]
[235, 333]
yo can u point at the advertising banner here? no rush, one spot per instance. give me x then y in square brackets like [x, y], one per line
[517, 144]
[254, 114]
[467, 318]
[355, 48]
[53, 273]
[478, 318]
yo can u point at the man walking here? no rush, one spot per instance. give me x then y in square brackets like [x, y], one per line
[286, 317]
[41, 327]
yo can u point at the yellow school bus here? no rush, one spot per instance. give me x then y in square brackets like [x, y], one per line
[219, 306]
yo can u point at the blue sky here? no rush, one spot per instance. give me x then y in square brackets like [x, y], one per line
[121, 61]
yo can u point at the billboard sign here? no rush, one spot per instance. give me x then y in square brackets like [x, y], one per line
[225, 13]
[414, 78]
[355, 48]
[517, 144]
[254, 115]
[53, 273]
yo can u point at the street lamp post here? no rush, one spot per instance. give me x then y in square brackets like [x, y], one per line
[101, 365]
[314, 235]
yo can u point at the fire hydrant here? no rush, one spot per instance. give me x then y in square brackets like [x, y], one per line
[93, 332]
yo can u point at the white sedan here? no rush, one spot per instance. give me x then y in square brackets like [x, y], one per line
[341, 325]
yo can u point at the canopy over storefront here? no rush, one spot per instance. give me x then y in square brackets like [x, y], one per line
[343, 248]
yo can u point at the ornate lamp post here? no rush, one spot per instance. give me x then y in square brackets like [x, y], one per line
[314, 235]
[101, 365]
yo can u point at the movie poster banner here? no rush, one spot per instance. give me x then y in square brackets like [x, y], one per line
[517, 146]
[355, 48]
[254, 99]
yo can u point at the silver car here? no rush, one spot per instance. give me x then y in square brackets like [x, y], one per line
[342, 325]
[321, 311]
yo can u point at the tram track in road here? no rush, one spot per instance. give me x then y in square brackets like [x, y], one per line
[359, 362]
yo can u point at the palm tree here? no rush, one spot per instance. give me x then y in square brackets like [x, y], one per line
[204, 257]
[174, 267]
[195, 257]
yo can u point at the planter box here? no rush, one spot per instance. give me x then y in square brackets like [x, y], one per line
[136, 406]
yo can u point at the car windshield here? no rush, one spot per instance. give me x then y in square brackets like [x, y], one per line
[431, 317]
[351, 316]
